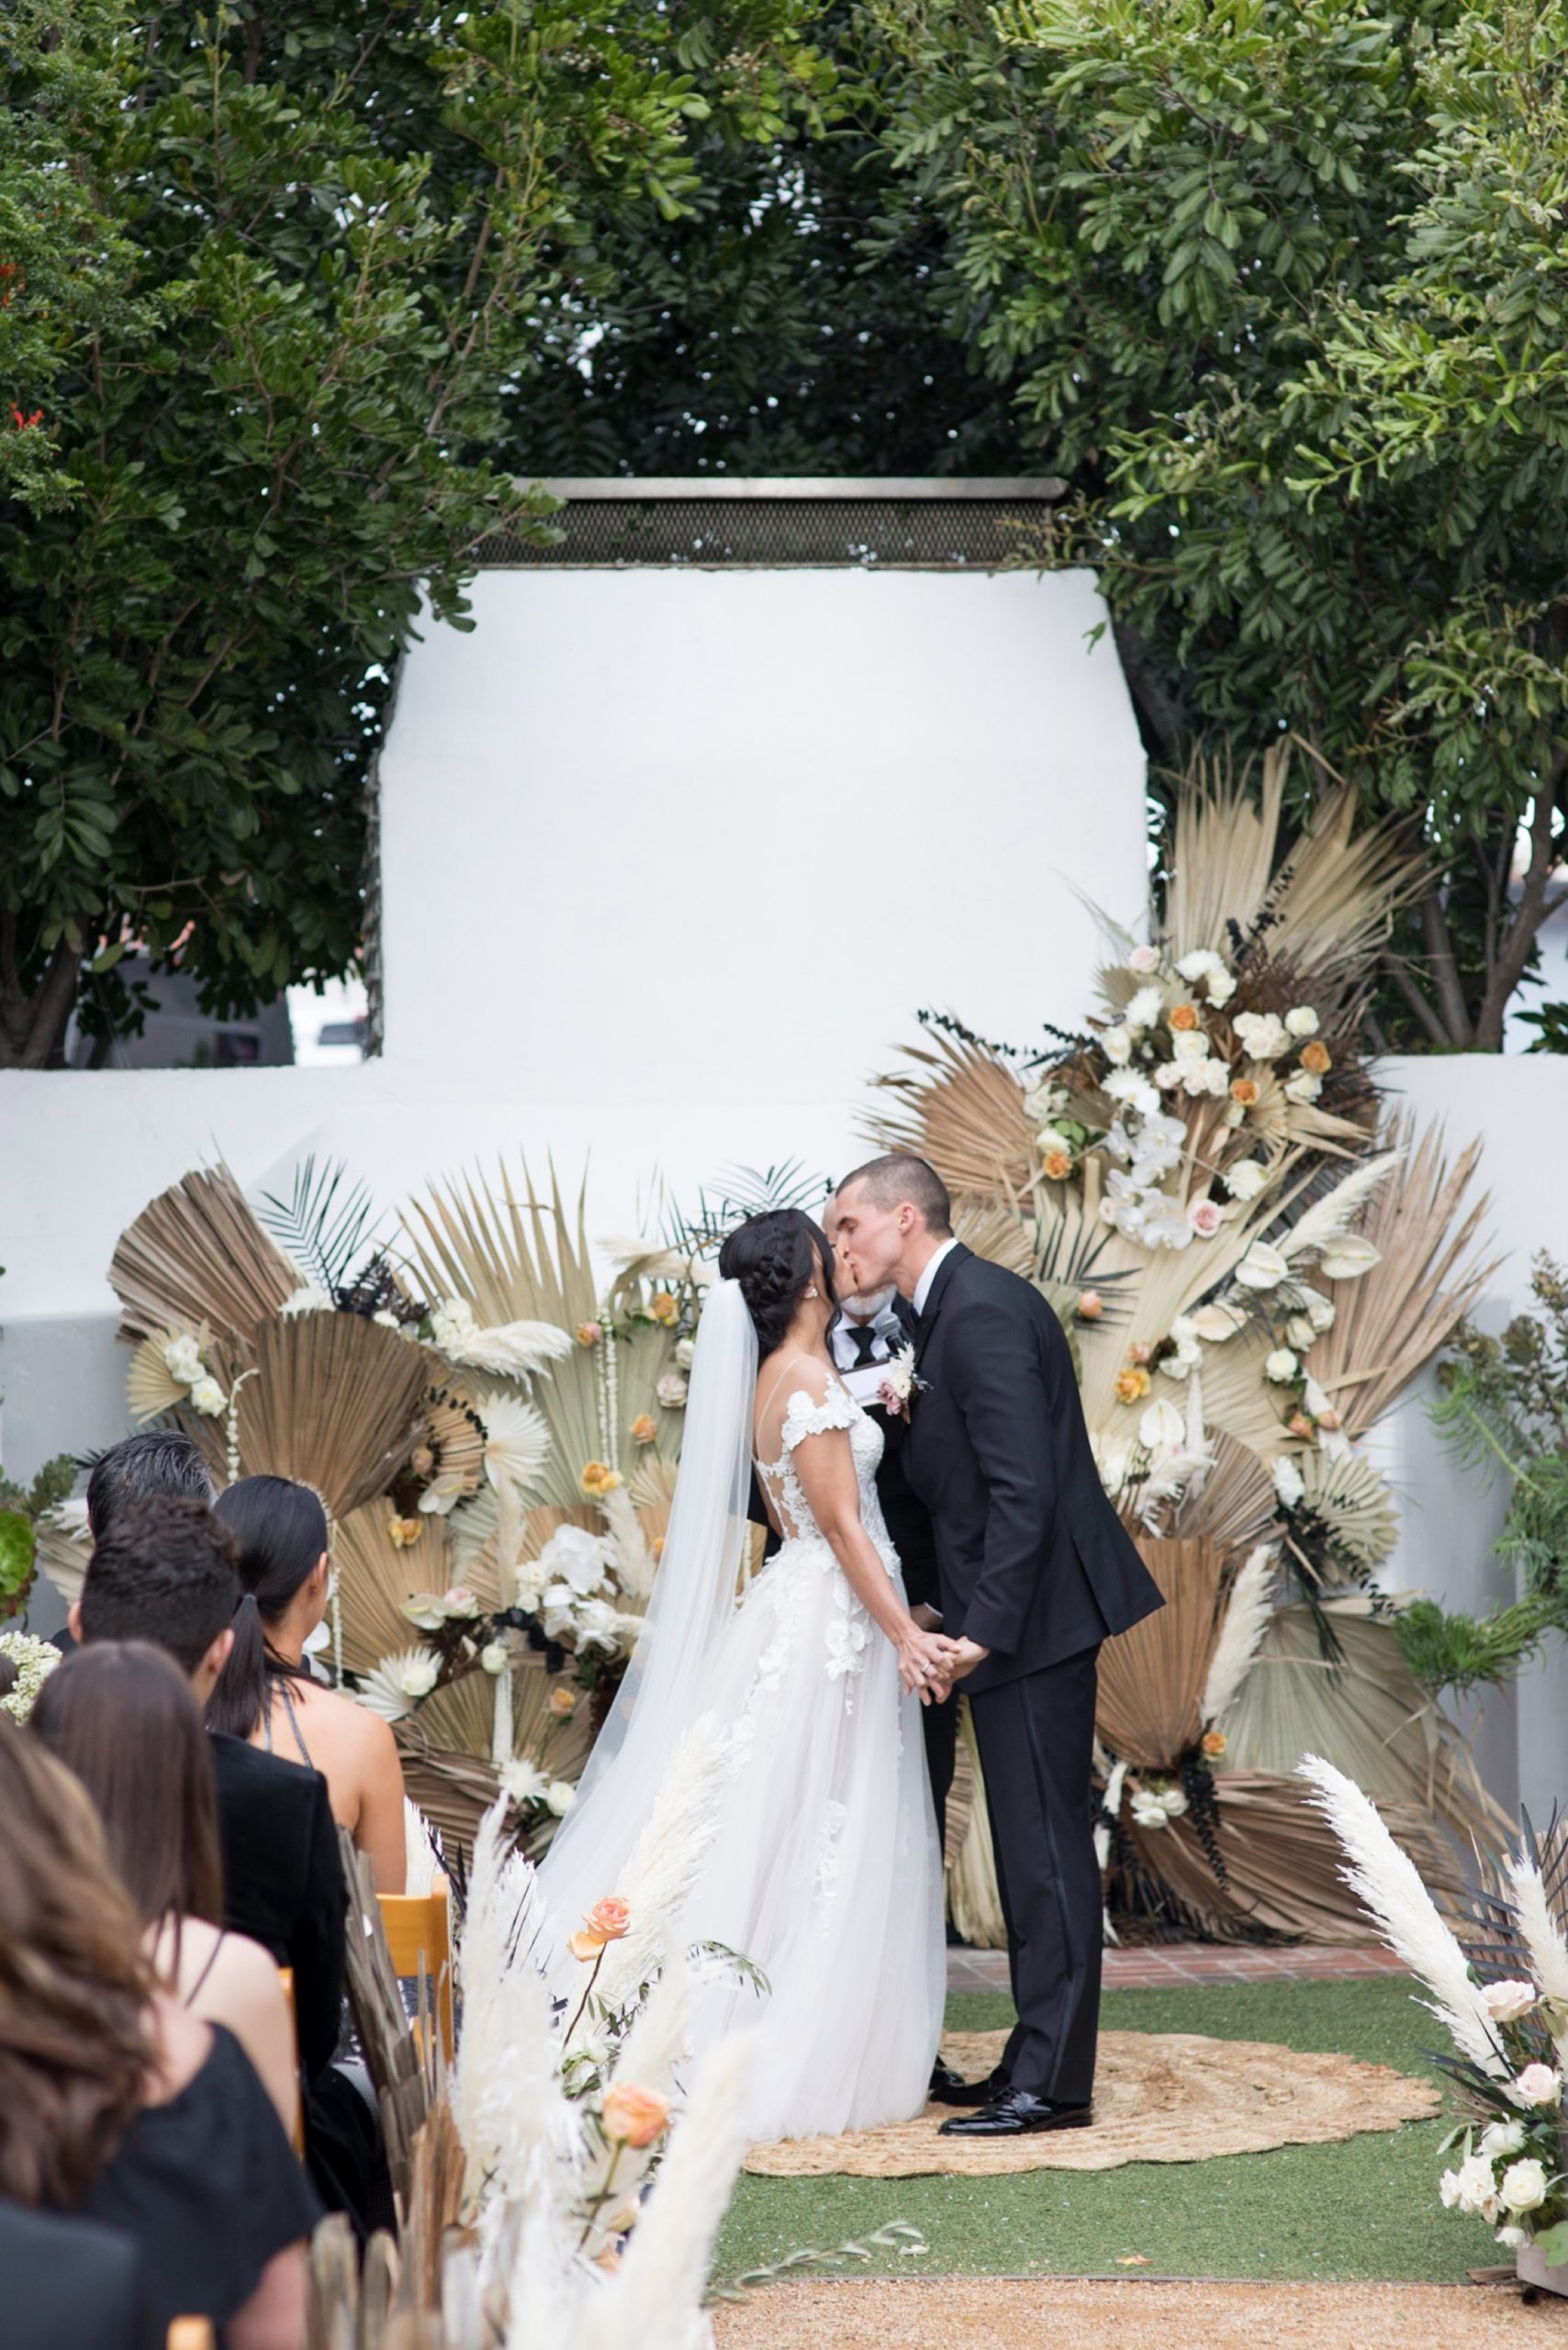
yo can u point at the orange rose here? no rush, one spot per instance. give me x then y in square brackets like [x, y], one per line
[1058, 1164]
[598, 1478]
[609, 1919]
[663, 1308]
[1184, 1016]
[563, 1700]
[645, 1428]
[1245, 1091]
[1213, 1743]
[402, 1532]
[634, 2116]
[1317, 1057]
[1132, 1386]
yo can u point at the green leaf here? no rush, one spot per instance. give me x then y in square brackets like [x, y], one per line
[17, 1545]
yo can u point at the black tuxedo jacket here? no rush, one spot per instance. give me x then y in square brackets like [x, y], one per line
[1035, 1563]
[283, 1880]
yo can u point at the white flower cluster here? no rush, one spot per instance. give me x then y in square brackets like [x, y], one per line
[309, 1298]
[527, 1784]
[35, 1660]
[453, 1327]
[1157, 1806]
[566, 1588]
[1133, 1199]
[185, 1363]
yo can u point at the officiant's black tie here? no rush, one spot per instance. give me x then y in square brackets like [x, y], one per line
[865, 1336]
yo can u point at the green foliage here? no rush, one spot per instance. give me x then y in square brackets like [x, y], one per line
[1456, 1653]
[20, 1507]
[265, 338]
[1281, 287]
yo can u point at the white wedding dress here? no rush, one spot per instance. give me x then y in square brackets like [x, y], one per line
[826, 1869]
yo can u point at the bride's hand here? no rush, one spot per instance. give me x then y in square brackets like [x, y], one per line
[925, 1662]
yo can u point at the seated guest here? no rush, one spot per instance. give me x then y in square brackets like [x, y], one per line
[157, 1461]
[70, 2282]
[117, 2104]
[118, 1715]
[265, 1692]
[165, 1572]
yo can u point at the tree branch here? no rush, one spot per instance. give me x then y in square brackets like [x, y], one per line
[1444, 970]
[1415, 1000]
[1535, 903]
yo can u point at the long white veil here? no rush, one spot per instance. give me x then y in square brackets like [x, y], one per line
[694, 1591]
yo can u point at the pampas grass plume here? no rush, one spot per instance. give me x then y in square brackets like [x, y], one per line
[1247, 1618]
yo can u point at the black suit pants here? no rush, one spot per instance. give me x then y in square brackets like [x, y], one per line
[939, 1726]
[1036, 1738]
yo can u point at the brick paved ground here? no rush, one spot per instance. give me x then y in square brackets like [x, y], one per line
[1161, 1966]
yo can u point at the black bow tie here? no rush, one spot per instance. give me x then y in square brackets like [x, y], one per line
[865, 1336]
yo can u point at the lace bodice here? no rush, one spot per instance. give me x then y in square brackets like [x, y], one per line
[805, 1418]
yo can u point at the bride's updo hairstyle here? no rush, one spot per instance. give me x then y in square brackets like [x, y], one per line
[775, 1257]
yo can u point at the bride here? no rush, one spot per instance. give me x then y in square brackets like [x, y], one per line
[824, 1870]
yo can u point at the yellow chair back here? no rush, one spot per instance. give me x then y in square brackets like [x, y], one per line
[419, 1937]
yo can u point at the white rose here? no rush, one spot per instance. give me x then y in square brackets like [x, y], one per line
[1476, 2187]
[1144, 959]
[1537, 2085]
[1523, 2187]
[1287, 1482]
[453, 1325]
[1117, 1046]
[1265, 1036]
[522, 1780]
[1299, 1331]
[1206, 1077]
[311, 1299]
[1302, 1021]
[1148, 1810]
[672, 1391]
[1200, 964]
[208, 1397]
[494, 1656]
[386, 1319]
[1320, 1310]
[1222, 986]
[1162, 1429]
[1261, 1268]
[182, 1358]
[1500, 2139]
[1189, 1045]
[1145, 1008]
[559, 1797]
[1170, 1074]
[1506, 2003]
[685, 1352]
[1280, 1366]
[1303, 1086]
[1512, 2237]
[1245, 1178]
[418, 1672]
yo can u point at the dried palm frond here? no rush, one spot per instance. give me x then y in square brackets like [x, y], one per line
[1222, 849]
[998, 1233]
[150, 1387]
[1352, 1502]
[376, 1577]
[1151, 1680]
[64, 1547]
[1282, 1871]
[452, 1789]
[1236, 1506]
[1331, 906]
[336, 1401]
[196, 1254]
[1397, 1315]
[1238, 1399]
[457, 1433]
[962, 1109]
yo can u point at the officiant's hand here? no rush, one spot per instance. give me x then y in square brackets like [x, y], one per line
[925, 1661]
[965, 1655]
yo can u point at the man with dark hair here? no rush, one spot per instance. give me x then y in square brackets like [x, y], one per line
[158, 1461]
[1035, 1569]
[165, 1570]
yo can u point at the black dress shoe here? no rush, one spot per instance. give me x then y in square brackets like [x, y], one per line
[948, 2087]
[1015, 2113]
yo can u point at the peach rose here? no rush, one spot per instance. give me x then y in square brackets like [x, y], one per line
[663, 1308]
[645, 1428]
[1057, 1165]
[1132, 1385]
[563, 1700]
[634, 2116]
[598, 1478]
[1183, 1017]
[402, 1532]
[1299, 1425]
[584, 1945]
[609, 1917]
[1213, 1743]
[1317, 1057]
[1329, 1421]
[656, 1548]
[1090, 1305]
[589, 1333]
[1245, 1091]
[1139, 1351]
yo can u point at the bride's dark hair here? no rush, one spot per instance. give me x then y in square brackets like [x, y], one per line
[772, 1256]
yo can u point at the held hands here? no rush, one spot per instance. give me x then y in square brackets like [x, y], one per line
[927, 1661]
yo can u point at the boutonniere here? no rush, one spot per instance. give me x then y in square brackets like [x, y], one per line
[898, 1385]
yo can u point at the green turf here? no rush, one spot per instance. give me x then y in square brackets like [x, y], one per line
[1364, 2207]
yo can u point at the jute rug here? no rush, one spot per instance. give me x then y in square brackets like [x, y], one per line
[1049, 2313]
[1167, 2096]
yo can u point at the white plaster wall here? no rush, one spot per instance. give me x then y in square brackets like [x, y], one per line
[670, 862]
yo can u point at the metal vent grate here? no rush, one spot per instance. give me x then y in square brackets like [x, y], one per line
[936, 530]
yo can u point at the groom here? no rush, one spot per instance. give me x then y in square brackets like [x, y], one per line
[1036, 1571]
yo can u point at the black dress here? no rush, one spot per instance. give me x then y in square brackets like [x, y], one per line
[282, 1881]
[71, 2283]
[209, 2188]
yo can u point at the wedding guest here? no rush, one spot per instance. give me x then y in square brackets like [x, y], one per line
[266, 1692]
[115, 2102]
[71, 2281]
[166, 1572]
[157, 1461]
[120, 1717]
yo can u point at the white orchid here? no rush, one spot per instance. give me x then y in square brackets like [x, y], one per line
[1303, 1086]
[575, 1558]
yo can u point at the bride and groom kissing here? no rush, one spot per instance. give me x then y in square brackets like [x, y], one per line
[824, 1865]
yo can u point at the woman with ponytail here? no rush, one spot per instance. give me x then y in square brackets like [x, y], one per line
[266, 1692]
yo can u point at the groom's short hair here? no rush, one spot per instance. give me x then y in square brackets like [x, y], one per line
[902, 1176]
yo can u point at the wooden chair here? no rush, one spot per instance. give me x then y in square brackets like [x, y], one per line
[286, 1976]
[191, 2333]
[419, 1937]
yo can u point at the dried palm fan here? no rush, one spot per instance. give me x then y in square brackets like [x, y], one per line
[1395, 1317]
[1222, 852]
[1353, 1505]
[150, 1387]
[454, 1434]
[1151, 1680]
[197, 1254]
[973, 1901]
[1330, 907]
[998, 1233]
[375, 1576]
[1239, 1400]
[64, 1548]
[1236, 1506]
[963, 1110]
[1282, 1871]
[336, 1401]
[454, 1790]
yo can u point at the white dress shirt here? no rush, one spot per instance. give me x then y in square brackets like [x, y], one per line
[888, 1334]
[923, 1286]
